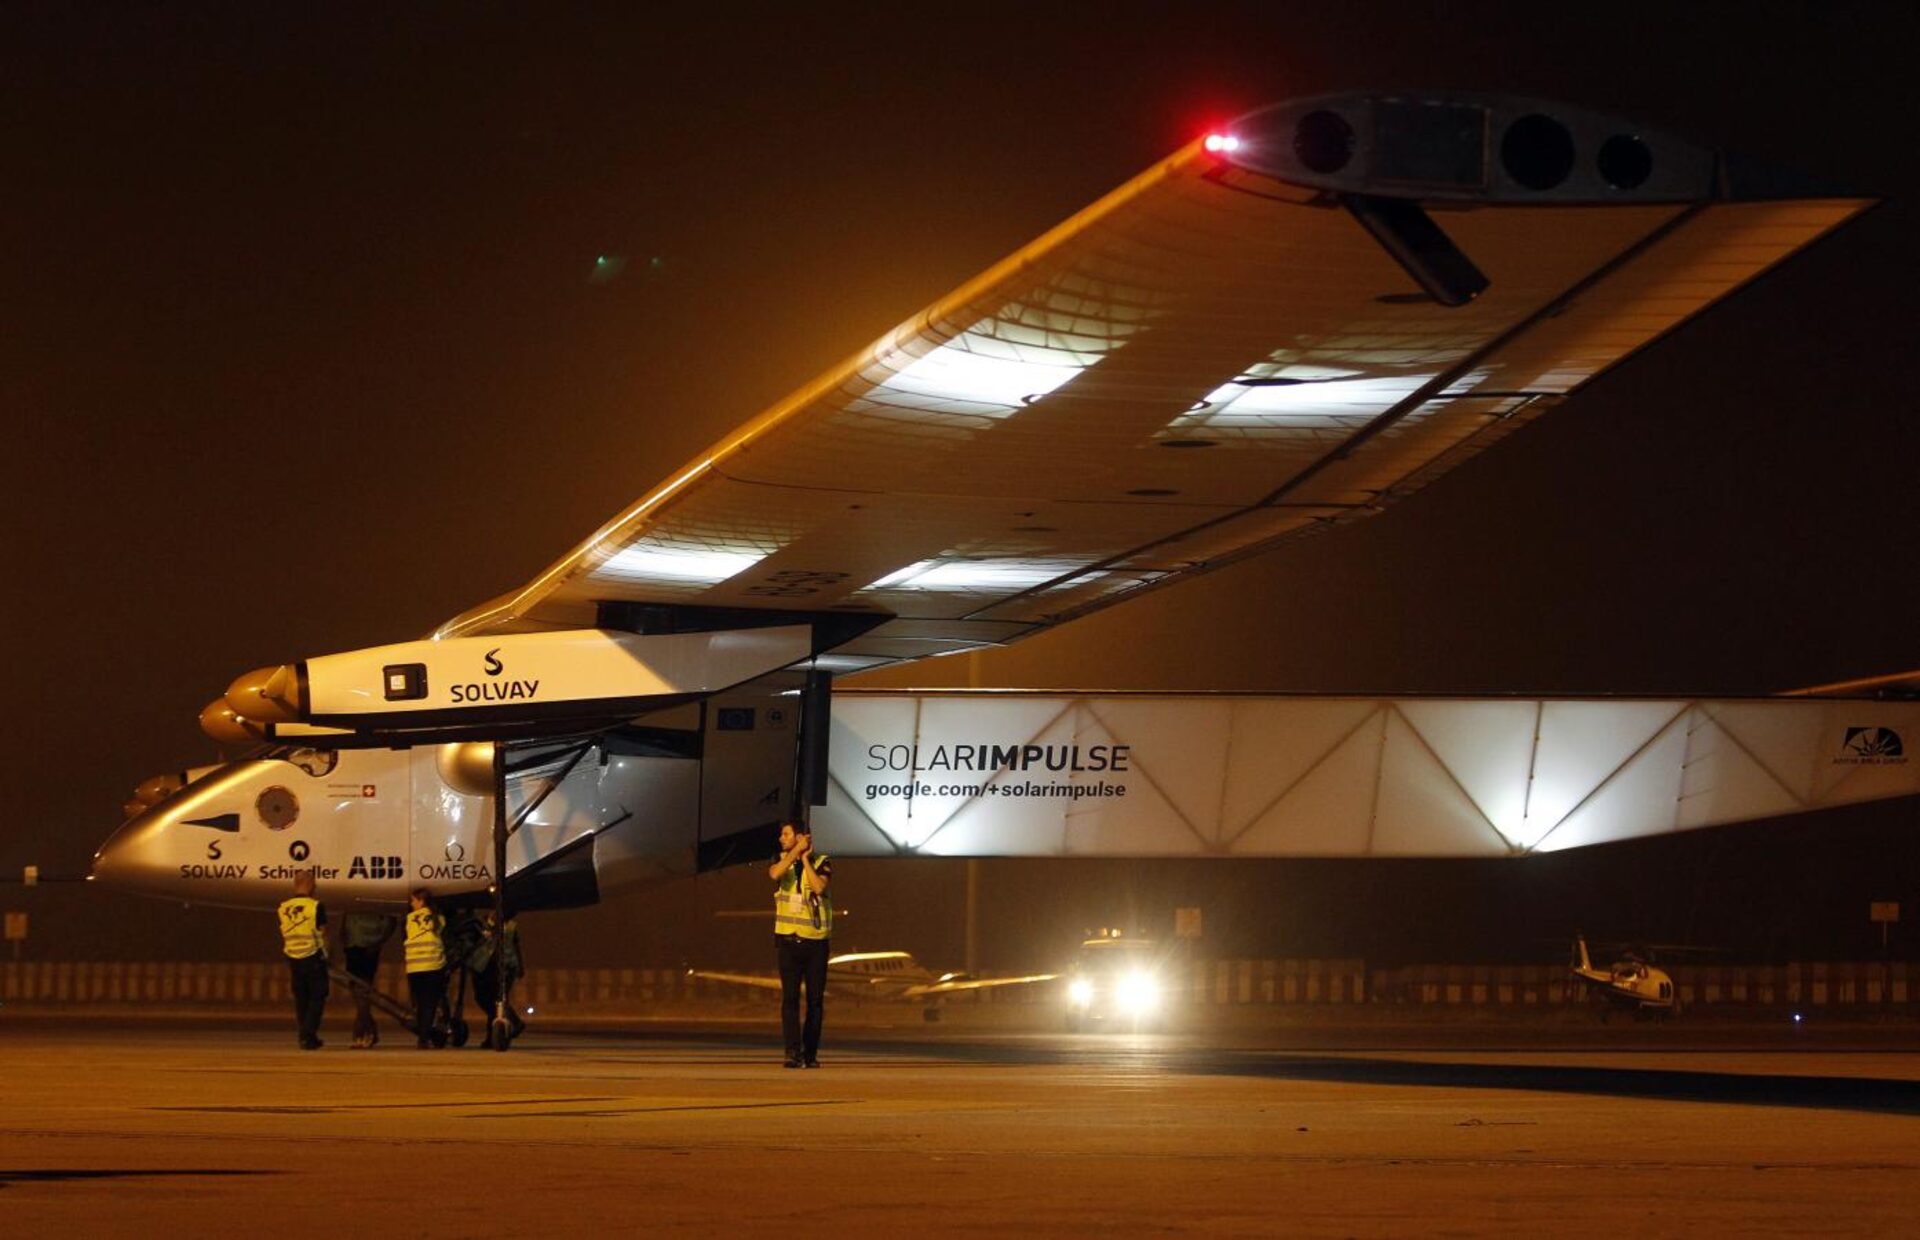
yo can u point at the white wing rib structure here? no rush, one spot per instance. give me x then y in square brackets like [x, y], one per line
[1130, 775]
[1213, 359]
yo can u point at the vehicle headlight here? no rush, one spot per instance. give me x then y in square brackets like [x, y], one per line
[1080, 992]
[1138, 993]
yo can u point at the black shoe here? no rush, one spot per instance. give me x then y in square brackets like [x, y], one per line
[309, 1044]
[791, 1063]
[811, 1063]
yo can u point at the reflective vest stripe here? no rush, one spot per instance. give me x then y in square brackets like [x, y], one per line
[300, 936]
[425, 951]
[797, 911]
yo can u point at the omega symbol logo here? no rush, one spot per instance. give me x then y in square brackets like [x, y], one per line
[456, 851]
[493, 665]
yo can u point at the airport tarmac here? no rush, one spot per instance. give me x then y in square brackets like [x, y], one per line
[143, 1125]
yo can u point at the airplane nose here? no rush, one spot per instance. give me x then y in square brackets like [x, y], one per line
[133, 857]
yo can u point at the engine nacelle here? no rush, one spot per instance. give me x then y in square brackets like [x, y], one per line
[467, 767]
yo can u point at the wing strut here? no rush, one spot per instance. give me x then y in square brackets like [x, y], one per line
[497, 932]
[1422, 248]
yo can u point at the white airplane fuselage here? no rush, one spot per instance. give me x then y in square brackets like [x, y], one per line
[585, 815]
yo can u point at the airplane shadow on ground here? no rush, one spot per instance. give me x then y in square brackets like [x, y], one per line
[52, 1175]
[1835, 1093]
[1881, 1095]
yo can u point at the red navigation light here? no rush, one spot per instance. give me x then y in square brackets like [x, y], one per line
[1221, 143]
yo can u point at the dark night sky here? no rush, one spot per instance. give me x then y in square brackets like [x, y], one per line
[301, 354]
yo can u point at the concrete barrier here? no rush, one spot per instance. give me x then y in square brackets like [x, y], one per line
[1209, 982]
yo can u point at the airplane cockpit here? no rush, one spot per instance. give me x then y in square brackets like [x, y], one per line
[315, 762]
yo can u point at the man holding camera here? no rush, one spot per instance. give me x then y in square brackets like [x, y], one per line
[802, 925]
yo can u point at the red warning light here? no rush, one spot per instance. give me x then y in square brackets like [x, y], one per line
[1221, 143]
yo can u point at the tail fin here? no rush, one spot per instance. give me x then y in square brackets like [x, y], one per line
[1580, 960]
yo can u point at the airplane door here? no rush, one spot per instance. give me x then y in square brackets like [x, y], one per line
[347, 820]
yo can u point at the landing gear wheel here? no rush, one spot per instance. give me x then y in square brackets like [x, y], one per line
[457, 1032]
[500, 1035]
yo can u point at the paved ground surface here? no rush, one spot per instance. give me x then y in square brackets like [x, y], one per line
[153, 1126]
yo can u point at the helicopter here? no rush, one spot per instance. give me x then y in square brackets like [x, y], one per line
[1631, 983]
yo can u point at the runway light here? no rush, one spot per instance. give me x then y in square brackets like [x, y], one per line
[529, 1011]
[1796, 1018]
[1221, 143]
[1080, 992]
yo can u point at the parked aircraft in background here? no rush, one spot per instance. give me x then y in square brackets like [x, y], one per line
[889, 976]
[1629, 984]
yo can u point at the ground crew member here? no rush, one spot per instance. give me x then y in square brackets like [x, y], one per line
[485, 972]
[802, 924]
[303, 937]
[426, 966]
[363, 935]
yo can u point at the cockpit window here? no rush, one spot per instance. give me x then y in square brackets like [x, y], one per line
[315, 762]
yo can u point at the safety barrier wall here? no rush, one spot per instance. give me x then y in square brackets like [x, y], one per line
[1222, 983]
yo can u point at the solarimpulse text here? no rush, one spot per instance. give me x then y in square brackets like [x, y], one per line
[988, 758]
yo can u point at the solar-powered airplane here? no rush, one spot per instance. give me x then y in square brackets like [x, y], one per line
[1278, 329]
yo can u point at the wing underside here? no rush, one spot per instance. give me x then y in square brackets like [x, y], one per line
[1207, 363]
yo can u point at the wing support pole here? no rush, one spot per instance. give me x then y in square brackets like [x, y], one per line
[497, 933]
[810, 756]
[1421, 247]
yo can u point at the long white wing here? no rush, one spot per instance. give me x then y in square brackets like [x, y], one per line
[976, 983]
[1234, 349]
[758, 981]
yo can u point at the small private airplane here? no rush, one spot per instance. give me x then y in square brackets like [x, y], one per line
[1284, 326]
[1630, 984]
[890, 976]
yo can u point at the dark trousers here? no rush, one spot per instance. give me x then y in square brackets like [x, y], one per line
[802, 960]
[363, 963]
[429, 991]
[486, 993]
[309, 979]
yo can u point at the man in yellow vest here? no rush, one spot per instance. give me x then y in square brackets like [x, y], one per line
[426, 967]
[802, 925]
[303, 937]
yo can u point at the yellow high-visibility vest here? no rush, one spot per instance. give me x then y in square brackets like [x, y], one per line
[300, 934]
[425, 951]
[796, 910]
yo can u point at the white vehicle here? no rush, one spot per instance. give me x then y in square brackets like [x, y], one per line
[1262, 337]
[1118, 982]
